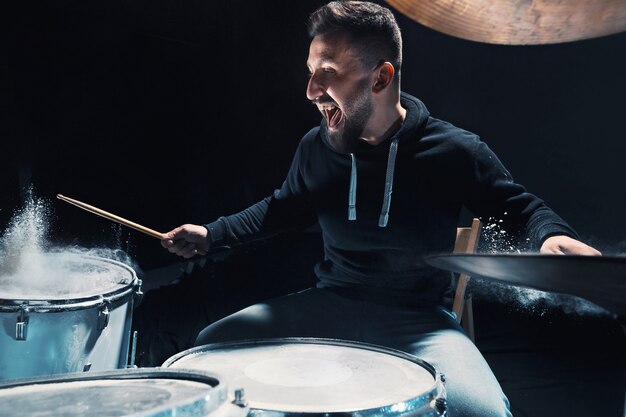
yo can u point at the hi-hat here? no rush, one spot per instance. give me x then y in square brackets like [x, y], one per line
[599, 279]
[518, 22]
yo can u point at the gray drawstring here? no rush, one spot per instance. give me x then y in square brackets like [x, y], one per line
[391, 162]
[352, 194]
[384, 214]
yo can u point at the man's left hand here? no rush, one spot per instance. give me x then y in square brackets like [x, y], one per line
[565, 245]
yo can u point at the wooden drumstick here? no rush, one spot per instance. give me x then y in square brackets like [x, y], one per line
[118, 219]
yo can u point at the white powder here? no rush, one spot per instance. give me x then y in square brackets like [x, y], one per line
[30, 269]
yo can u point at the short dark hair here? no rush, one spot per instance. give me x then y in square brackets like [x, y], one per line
[371, 28]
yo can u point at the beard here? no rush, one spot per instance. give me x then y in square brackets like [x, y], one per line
[346, 137]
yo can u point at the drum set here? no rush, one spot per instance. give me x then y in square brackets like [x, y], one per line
[67, 355]
[66, 347]
[66, 350]
[271, 377]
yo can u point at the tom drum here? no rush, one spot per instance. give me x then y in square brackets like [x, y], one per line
[141, 392]
[321, 377]
[78, 321]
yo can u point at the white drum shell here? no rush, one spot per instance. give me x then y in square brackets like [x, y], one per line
[62, 336]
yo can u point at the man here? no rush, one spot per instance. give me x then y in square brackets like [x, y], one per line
[373, 285]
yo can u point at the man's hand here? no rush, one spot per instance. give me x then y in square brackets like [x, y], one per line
[186, 240]
[565, 245]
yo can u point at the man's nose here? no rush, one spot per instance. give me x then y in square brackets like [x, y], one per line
[314, 88]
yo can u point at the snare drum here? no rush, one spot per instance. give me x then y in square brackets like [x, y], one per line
[142, 392]
[81, 321]
[321, 377]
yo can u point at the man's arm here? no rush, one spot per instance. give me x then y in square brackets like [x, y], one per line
[495, 193]
[288, 208]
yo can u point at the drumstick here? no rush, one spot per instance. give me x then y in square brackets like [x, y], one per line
[118, 219]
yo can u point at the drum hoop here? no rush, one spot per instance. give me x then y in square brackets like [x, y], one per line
[218, 394]
[301, 340]
[421, 404]
[71, 304]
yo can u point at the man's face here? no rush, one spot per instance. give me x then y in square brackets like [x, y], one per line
[340, 87]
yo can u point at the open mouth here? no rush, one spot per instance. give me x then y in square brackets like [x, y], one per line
[333, 115]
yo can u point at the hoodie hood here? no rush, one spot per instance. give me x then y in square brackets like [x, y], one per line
[416, 116]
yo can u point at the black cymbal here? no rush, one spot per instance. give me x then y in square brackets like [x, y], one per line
[599, 279]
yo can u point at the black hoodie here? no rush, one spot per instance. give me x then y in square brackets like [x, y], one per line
[375, 239]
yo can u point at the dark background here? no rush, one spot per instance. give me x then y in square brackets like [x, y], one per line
[168, 112]
[172, 112]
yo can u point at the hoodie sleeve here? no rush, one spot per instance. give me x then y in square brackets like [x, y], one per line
[286, 209]
[494, 196]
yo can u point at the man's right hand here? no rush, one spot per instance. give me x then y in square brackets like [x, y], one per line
[187, 240]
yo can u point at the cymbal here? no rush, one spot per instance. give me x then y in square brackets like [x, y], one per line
[599, 279]
[518, 22]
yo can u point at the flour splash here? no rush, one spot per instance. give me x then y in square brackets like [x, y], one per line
[32, 268]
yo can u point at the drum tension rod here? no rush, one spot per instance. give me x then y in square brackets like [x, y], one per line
[103, 316]
[133, 351]
[22, 324]
[240, 398]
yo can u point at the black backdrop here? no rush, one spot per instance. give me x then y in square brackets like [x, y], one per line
[167, 112]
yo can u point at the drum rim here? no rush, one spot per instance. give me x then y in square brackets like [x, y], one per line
[78, 303]
[301, 340]
[215, 398]
[422, 403]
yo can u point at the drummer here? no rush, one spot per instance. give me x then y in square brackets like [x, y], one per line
[372, 285]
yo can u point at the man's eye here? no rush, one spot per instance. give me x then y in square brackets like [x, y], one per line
[323, 70]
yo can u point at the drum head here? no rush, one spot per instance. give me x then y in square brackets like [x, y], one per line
[139, 393]
[64, 276]
[301, 375]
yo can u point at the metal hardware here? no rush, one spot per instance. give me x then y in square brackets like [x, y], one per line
[103, 316]
[133, 349]
[441, 405]
[138, 295]
[240, 398]
[22, 324]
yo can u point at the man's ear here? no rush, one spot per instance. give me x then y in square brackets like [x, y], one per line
[384, 76]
